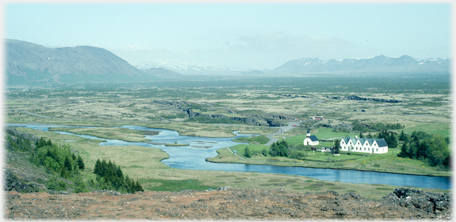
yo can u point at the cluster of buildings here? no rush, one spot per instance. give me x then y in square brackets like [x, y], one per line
[362, 145]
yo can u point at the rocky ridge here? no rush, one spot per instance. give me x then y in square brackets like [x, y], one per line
[269, 120]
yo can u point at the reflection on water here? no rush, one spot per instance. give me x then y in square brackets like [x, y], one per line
[191, 157]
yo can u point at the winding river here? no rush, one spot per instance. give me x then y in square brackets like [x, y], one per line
[194, 157]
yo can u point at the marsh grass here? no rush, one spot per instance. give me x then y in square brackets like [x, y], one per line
[108, 133]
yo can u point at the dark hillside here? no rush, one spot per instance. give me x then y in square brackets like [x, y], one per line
[28, 63]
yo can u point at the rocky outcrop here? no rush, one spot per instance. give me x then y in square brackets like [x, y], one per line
[289, 96]
[12, 183]
[277, 116]
[353, 97]
[14, 133]
[246, 120]
[274, 123]
[270, 120]
[418, 199]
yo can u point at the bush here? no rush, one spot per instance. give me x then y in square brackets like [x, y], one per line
[54, 184]
[264, 152]
[247, 152]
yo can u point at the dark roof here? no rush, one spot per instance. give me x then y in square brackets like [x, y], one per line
[313, 138]
[381, 142]
[308, 130]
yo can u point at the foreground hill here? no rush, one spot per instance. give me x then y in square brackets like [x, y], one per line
[28, 63]
[227, 204]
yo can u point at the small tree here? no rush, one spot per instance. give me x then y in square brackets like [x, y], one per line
[392, 140]
[361, 135]
[264, 152]
[247, 152]
[337, 146]
[402, 137]
[80, 163]
[404, 151]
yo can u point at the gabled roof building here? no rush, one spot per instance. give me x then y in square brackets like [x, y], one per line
[364, 145]
[310, 139]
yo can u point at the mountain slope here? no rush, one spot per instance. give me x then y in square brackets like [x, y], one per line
[28, 63]
[379, 63]
[161, 72]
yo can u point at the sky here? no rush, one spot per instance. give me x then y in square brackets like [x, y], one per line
[244, 36]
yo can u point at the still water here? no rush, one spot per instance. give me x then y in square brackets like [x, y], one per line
[194, 157]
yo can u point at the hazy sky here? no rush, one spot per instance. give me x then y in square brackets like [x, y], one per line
[249, 36]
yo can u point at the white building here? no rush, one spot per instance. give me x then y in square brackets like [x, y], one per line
[310, 140]
[364, 145]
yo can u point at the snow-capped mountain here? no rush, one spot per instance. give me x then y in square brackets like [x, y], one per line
[187, 68]
[378, 63]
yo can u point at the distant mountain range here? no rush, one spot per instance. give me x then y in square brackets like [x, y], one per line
[28, 63]
[378, 64]
[187, 68]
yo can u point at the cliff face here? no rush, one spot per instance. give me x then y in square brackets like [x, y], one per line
[224, 204]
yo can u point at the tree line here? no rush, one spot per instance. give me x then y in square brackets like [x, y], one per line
[363, 127]
[432, 149]
[389, 137]
[56, 158]
[110, 177]
[279, 148]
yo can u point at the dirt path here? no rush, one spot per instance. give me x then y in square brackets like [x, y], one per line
[282, 129]
[235, 153]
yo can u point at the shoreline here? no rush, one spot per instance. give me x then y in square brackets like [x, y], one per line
[333, 168]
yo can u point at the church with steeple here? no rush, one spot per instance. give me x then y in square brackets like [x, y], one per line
[310, 140]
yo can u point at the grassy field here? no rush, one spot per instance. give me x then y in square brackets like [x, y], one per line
[253, 140]
[143, 164]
